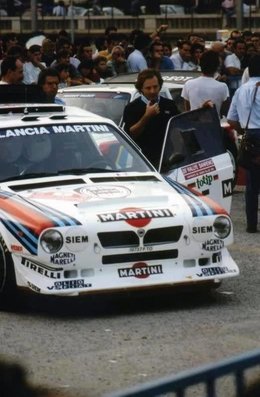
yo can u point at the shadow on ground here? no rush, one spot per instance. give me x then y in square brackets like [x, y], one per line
[118, 304]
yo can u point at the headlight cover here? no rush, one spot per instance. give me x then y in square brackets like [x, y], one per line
[222, 227]
[51, 241]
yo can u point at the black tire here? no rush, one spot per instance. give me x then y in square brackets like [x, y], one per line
[7, 276]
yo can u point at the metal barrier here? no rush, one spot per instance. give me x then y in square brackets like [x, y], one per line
[207, 375]
[177, 24]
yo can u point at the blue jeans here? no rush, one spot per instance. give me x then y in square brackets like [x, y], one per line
[251, 195]
[252, 187]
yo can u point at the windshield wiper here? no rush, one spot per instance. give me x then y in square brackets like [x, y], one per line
[75, 171]
[80, 171]
[30, 175]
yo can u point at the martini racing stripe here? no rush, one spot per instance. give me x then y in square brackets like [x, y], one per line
[26, 238]
[193, 202]
[198, 206]
[25, 221]
[44, 213]
[60, 218]
[25, 214]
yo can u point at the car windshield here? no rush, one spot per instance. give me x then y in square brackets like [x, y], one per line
[106, 104]
[62, 148]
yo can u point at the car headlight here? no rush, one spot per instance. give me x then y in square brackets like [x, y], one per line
[222, 227]
[51, 241]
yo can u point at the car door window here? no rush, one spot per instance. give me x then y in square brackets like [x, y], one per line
[193, 136]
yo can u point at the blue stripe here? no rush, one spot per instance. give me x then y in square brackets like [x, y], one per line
[202, 209]
[20, 228]
[60, 218]
[30, 247]
[198, 207]
[207, 210]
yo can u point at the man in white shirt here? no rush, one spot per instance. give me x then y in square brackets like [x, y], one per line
[182, 58]
[136, 61]
[32, 68]
[233, 61]
[234, 64]
[205, 89]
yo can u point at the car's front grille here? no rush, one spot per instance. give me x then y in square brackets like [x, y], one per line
[120, 239]
[163, 235]
[139, 256]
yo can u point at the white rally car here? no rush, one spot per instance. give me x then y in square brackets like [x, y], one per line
[82, 211]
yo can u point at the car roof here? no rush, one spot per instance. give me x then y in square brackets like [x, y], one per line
[16, 114]
[127, 88]
[130, 88]
[179, 77]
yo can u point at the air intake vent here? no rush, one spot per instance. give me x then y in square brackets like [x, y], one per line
[118, 239]
[144, 178]
[164, 235]
[41, 185]
[141, 256]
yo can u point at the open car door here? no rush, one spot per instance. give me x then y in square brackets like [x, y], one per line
[194, 154]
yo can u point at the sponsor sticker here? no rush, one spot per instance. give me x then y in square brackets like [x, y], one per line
[69, 284]
[33, 287]
[227, 187]
[213, 245]
[53, 129]
[104, 192]
[140, 270]
[197, 169]
[16, 248]
[215, 271]
[136, 217]
[57, 195]
[62, 258]
[75, 240]
[44, 270]
[206, 180]
[202, 229]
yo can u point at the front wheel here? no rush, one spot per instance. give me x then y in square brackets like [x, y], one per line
[7, 275]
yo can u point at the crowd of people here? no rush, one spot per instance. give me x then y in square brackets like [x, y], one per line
[91, 61]
[228, 68]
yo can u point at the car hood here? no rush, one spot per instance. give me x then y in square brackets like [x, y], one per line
[76, 198]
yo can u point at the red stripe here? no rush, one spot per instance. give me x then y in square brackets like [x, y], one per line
[25, 215]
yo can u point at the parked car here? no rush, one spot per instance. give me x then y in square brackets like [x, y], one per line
[124, 83]
[83, 211]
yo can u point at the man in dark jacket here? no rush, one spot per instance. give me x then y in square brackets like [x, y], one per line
[145, 119]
